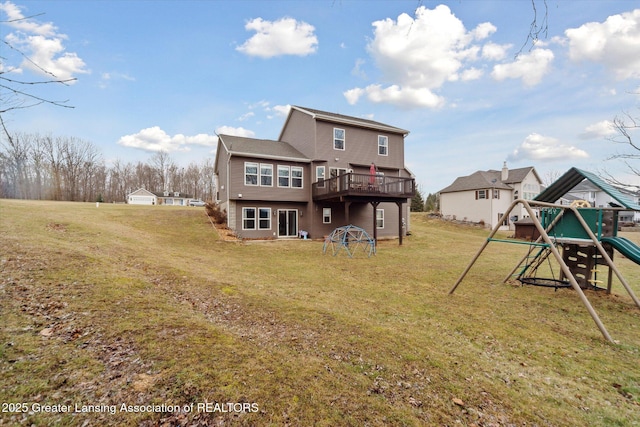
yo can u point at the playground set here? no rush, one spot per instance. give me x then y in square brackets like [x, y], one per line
[587, 237]
[350, 239]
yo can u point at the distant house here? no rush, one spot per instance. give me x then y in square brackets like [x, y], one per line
[166, 198]
[484, 196]
[326, 170]
[142, 197]
[173, 198]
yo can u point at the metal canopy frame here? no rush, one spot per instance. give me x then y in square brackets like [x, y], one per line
[544, 236]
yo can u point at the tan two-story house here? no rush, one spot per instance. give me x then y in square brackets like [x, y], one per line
[325, 170]
[484, 196]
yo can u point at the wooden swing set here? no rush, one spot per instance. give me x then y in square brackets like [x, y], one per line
[566, 226]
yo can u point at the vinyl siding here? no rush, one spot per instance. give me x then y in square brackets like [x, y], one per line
[272, 232]
[361, 147]
[314, 139]
[299, 131]
[259, 192]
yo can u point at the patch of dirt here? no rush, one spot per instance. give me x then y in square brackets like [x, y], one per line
[54, 226]
[225, 233]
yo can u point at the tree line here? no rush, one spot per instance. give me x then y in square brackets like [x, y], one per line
[44, 167]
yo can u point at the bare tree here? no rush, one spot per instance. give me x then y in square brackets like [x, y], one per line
[17, 93]
[15, 163]
[625, 125]
[207, 174]
[550, 177]
[161, 163]
[120, 181]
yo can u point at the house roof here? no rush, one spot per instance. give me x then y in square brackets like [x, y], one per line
[575, 176]
[264, 148]
[488, 179]
[171, 195]
[349, 120]
[140, 192]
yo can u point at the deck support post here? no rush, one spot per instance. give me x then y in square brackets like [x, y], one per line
[375, 222]
[399, 222]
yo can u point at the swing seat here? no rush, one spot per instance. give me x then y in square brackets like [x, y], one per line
[545, 282]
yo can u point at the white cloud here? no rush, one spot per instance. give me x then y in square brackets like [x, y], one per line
[357, 69]
[418, 55]
[107, 78]
[16, 19]
[530, 67]
[540, 147]
[353, 95]
[406, 97]
[42, 45]
[117, 76]
[281, 110]
[260, 104]
[494, 51]
[614, 43]
[483, 30]
[155, 139]
[471, 74]
[285, 36]
[246, 116]
[601, 129]
[239, 131]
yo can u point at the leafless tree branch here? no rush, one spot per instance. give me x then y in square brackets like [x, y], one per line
[21, 99]
[536, 29]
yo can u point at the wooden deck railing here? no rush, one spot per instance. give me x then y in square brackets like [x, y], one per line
[357, 184]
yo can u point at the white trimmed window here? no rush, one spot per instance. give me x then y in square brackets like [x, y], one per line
[284, 176]
[482, 194]
[250, 173]
[248, 218]
[320, 175]
[338, 139]
[264, 218]
[326, 215]
[266, 175]
[296, 177]
[506, 220]
[380, 218]
[383, 145]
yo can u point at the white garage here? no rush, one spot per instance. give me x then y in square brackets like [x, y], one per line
[142, 197]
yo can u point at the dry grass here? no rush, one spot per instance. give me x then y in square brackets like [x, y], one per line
[146, 305]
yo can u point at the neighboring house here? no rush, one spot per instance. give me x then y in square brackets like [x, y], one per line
[630, 216]
[142, 197]
[173, 198]
[484, 196]
[168, 198]
[325, 171]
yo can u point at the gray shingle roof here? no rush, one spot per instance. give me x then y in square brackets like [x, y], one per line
[355, 121]
[265, 148]
[487, 179]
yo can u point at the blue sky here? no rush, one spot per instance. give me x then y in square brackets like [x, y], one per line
[167, 75]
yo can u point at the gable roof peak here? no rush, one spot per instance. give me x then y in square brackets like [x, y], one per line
[489, 179]
[350, 120]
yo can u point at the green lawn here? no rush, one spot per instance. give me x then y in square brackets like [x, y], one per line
[146, 306]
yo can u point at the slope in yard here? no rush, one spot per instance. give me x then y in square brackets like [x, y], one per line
[134, 315]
